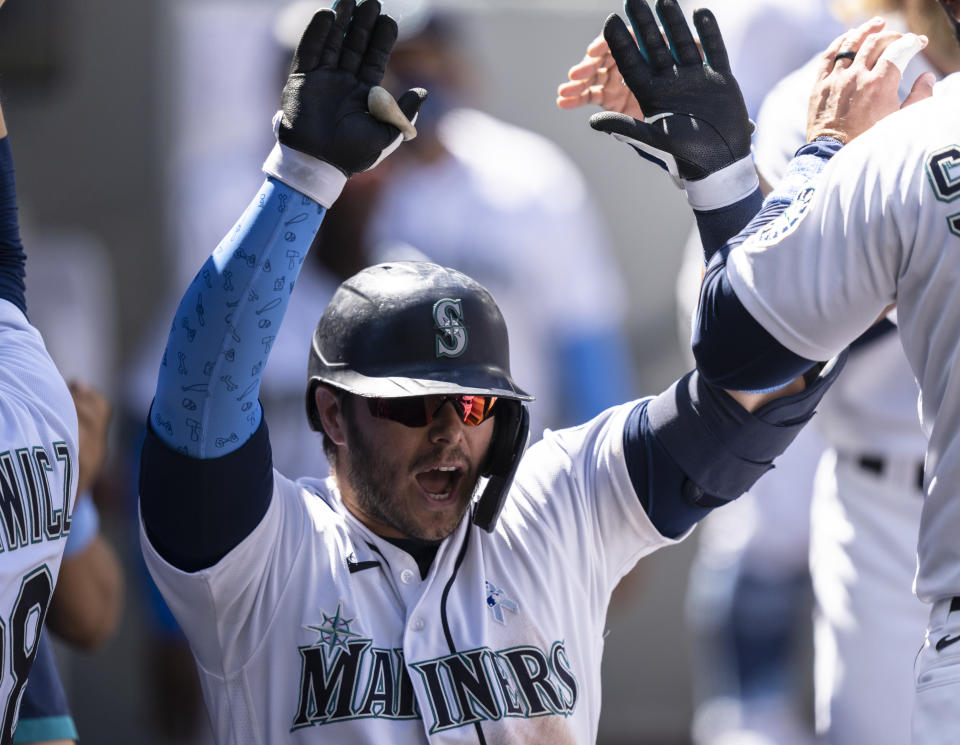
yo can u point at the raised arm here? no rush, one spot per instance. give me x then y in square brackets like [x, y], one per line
[206, 404]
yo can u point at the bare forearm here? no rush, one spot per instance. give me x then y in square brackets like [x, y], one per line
[87, 603]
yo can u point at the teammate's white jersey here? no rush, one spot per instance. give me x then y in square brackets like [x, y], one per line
[38, 479]
[882, 225]
[314, 629]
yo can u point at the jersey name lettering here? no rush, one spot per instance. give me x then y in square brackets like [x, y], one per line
[27, 511]
[357, 680]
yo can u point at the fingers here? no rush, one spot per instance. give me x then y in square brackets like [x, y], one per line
[714, 50]
[902, 50]
[922, 88]
[649, 39]
[873, 46]
[307, 56]
[598, 47]
[375, 58]
[358, 35]
[682, 45]
[588, 67]
[411, 101]
[633, 67]
[853, 39]
[330, 54]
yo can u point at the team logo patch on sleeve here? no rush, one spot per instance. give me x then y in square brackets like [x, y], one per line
[785, 223]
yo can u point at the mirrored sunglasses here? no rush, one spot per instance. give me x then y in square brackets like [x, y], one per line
[419, 411]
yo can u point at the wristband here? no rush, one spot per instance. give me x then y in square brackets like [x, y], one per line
[724, 187]
[315, 178]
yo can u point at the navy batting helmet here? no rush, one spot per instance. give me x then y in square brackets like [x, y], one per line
[412, 328]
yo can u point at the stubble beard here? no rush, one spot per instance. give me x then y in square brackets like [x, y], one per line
[373, 480]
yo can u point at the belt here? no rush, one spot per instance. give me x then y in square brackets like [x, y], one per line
[877, 465]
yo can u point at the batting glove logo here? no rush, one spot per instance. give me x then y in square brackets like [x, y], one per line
[448, 319]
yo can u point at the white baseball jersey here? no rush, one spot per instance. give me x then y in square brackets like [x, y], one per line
[880, 226]
[314, 629]
[38, 478]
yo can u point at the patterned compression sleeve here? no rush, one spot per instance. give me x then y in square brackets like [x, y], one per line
[12, 258]
[206, 403]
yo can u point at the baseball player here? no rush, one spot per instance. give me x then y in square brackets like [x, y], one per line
[826, 256]
[388, 603]
[38, 464]
[866, 505]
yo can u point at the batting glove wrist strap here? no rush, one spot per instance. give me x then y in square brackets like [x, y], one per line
[724, 187]
[310, 176]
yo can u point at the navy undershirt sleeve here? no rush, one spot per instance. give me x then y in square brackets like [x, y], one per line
[12, 258]
[718, 226]
[693, 448]
[195, 510]
[732, 349]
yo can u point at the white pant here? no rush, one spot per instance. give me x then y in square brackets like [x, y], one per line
[868, 623]
[936, 703]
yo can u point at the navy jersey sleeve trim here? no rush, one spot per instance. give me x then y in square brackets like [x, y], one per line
[196, 510]
[12, 257]
[693, 448]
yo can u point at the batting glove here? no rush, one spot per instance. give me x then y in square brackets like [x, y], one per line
[695, 121]
[325, 132]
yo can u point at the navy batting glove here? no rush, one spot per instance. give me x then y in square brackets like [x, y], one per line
[341, 56]
[695, 120]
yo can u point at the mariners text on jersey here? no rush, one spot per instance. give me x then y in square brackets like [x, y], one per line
[347, 678]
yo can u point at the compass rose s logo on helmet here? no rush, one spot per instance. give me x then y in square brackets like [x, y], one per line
[448, 317]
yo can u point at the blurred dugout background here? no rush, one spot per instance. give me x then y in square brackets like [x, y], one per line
[89, 96]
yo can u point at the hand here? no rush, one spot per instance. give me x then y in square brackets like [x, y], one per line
[851, 95]
[93, 412]
[341, 56]
[696, 121]
[596, 79]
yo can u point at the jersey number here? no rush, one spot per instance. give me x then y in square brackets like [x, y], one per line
[25, 623]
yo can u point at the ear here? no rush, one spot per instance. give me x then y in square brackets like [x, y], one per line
[330, 413]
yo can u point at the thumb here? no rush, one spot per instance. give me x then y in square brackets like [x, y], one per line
[922, 88]
[411, 101]
[625, 127]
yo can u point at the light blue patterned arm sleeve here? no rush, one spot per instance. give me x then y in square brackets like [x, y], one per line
[206, 402]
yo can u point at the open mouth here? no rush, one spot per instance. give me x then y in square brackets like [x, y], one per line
[439, 483]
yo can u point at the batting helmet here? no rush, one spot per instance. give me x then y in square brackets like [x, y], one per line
[412, 328]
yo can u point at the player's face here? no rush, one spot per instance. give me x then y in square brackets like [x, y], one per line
[410, 482]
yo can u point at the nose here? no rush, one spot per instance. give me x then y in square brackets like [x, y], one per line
[446, 425]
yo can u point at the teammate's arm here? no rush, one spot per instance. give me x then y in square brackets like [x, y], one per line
[206, 474]
[847, 100]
